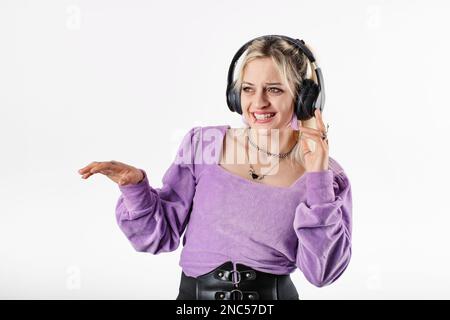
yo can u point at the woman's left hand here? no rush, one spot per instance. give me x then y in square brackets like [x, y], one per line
[317, 160]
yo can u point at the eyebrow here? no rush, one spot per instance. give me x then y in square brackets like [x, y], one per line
[267, 83]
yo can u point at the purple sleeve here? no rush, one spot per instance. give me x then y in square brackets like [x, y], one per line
[153, 219]
[323, 225]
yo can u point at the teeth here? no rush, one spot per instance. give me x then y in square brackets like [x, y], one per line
[263, 116]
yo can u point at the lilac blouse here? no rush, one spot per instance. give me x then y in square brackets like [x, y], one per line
[226, 217]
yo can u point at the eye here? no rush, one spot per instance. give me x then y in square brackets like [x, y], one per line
[275, 90]
[246, 89]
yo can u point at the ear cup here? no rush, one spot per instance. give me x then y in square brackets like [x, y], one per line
[233, 99]
[230, 98]
[307, 96]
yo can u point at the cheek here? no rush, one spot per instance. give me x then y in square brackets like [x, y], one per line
[285, 116]
[285, 107]
[245, 103]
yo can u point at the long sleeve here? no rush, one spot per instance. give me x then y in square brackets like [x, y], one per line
[153, 219]
[323, 224]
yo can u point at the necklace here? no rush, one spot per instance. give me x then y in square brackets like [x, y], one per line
[279, 155]
[252, 172]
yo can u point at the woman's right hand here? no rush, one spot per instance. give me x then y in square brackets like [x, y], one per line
[119, 172]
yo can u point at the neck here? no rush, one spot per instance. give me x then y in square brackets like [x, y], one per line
[273, 140]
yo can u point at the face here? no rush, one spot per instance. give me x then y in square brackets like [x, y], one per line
[265, 99]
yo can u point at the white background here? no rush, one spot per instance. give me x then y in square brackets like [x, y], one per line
[84, 81]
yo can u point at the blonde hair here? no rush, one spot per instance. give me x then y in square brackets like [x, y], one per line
[292, 64]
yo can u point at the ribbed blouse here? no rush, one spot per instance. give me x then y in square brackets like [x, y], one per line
[225, 217]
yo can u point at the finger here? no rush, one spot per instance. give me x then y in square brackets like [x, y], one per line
[88, 167]
[310, 131]
[83, 170]
[304, 148]
[319, 119]
[304, 145]
[318, 140]
[101, 166]
[314, 137]
[88, 174]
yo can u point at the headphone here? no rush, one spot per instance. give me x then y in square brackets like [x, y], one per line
[309, 96]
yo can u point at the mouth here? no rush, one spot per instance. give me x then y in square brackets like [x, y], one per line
[263, 117]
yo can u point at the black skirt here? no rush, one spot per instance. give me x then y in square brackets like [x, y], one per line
[244, 283]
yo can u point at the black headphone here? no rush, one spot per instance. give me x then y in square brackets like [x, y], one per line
[309, 96]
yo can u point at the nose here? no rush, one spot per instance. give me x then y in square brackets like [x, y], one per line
[259, 99]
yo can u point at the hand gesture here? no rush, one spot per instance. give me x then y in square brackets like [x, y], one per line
[317, 160]
[119, 172]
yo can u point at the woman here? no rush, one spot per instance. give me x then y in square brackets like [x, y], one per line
[255, 202]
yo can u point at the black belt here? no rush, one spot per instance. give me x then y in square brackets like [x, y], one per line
[244, 283]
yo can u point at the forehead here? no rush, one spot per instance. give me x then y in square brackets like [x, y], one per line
[261, 69]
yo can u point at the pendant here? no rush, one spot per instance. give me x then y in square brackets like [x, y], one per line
[253, 174]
